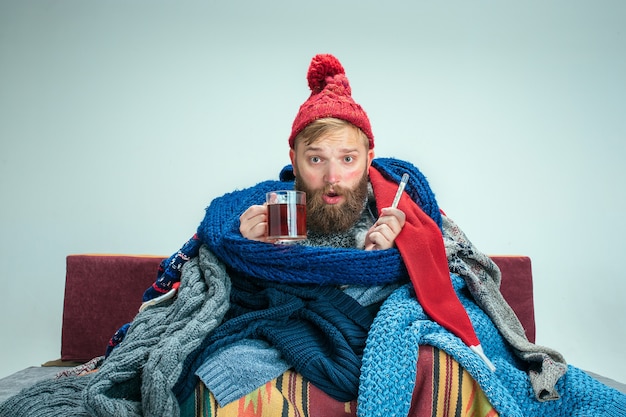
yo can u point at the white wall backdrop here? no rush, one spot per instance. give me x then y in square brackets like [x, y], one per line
[121, 120]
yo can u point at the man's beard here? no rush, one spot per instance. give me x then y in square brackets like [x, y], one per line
[334, 218]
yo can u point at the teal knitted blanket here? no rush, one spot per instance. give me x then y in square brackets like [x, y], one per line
[390, 361]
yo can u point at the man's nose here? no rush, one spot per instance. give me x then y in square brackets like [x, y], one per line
[333, 174]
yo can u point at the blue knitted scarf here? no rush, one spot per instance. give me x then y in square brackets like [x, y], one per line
[293, 264]
[301, 264]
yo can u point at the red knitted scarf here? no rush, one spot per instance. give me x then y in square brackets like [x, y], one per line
[421, 246]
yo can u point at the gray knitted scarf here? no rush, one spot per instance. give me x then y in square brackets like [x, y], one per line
[137, 378]
[483, 277]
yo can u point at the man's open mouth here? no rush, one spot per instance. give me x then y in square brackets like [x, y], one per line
[332, 197]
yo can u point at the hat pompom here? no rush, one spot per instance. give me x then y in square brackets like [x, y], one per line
[323, 66]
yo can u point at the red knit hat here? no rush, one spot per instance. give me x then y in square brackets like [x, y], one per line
[331, 96]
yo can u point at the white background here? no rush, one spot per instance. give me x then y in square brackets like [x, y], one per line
[121, 120]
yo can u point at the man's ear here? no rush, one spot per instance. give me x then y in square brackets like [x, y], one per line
[370, 157]
[292, 156]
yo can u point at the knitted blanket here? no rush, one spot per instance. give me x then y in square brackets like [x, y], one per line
[137, 378]
[318, 330]
[390, 358]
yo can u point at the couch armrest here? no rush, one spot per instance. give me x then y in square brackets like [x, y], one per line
[102, 292]
[517, 289]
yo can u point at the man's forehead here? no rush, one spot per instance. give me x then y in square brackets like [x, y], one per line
[340, 147]
[342, 139]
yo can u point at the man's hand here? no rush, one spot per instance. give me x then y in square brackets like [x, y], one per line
[253, 223]
[383, 233]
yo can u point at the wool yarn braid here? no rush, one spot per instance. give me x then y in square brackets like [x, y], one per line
[301, 264]
[137, 378]
[164, 336]
[49, 398]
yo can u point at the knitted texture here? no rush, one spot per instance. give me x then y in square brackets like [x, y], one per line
[82, 369]
[165, 335]
[331, 96]
[137, 378]
[319, 331]
[389, 365]
[236, 370]
[483, 279]
[417, 188]
[168, 275]
[170, 269]
[117, 338]
[49, 398]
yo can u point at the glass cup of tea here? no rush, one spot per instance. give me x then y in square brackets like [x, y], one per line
[286, 216]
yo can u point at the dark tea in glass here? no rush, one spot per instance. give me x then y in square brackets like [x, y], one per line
[286, 216]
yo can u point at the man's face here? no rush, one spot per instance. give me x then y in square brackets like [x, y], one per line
[333, 173]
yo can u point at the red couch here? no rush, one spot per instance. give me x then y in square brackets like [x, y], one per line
[102, 292]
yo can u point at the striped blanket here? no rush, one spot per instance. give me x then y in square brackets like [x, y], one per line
[442, 388]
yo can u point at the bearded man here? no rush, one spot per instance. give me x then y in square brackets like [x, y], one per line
[331, 160]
